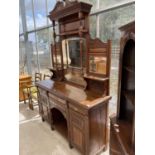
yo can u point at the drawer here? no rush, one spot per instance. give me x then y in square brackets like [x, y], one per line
[57, 98]
[77, 119]
[57, 102]
[78, 109]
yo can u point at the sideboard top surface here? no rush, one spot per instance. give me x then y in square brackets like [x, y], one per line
[86, 98]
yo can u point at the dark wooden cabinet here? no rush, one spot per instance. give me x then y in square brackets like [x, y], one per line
[122, 133]
[77, 96]
[85, 113]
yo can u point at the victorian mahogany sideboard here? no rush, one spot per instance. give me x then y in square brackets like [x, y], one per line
[122, 133]
[85, 113]
[78, 93]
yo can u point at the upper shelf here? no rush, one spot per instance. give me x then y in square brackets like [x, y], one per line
[72, 32]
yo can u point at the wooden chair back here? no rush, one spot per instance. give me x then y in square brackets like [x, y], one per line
[46, 76]
[38, 77]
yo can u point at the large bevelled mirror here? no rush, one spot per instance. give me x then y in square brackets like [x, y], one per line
[74, 56]
[74, 52]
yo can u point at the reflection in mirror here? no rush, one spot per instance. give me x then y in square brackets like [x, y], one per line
[97, 64]
[73, 58]
[56, 54]
[71, 52]
[58, 58]
[64, 52]
[74, 53]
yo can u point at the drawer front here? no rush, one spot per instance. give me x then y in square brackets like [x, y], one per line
[57, 98]
[55, 101]
[78, 109]
[77, 119]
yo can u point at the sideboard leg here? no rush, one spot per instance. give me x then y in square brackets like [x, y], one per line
[42, 119]
[70, 145]
[52, 127]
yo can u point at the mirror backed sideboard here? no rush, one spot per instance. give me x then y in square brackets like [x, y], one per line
[78, 90]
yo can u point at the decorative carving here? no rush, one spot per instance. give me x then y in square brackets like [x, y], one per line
[66, 8]
[60, 5]
[97, 43]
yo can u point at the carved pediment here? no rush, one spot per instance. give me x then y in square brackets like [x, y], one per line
[62, 4]
[68, 7]
[58, 6]
[69, 2]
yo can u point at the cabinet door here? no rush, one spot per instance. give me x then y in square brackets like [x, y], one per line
[77, 130]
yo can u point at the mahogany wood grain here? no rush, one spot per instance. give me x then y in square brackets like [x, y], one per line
[85, 113]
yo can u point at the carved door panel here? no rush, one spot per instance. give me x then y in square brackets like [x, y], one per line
[77, 130]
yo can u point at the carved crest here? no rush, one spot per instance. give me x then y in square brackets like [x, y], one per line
[64, 8]
[62, 4]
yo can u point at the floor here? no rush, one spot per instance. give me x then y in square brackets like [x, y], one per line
[36, 137]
